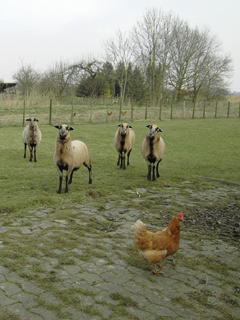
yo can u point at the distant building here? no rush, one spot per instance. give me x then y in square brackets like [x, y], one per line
[7, 88]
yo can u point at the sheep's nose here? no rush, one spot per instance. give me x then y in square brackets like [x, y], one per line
[62, 135]
[151, 135]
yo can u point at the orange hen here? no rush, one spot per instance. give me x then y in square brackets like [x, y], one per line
[155, 247]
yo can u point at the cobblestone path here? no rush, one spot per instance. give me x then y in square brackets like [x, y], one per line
[79, 262]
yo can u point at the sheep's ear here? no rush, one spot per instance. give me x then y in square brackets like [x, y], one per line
[119, 125]
[29, 119]
[159, 130]
[36, 119]
[130, 127]
[57, 127]
[70, 128]
[149, 126]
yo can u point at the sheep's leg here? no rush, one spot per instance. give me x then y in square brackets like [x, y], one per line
[66, 188]
[119, 157]
[35, 158]
[25, 149]
[128, 156]
[70, 181]
[68, 178]
[90, 172]
[154, 170]
[123, 160]
[90, 175]
[60, 184]
[158, 169]
[31, 155]
[149, 172]
[60, 172]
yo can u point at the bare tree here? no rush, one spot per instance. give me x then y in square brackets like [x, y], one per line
[119, 53]
[209, 69]
[27, 79]
[152, 38]
[58, 79]
[176, 57]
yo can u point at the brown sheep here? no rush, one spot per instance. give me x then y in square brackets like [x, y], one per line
[70, 155]
[153, 149]
[31, 137]
[124, 141]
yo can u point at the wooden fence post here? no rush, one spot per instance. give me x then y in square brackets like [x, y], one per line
[72, 113]
[193, 113]
[171, 115]
[120, 109]
[146, 110]
[50, 112]
[91, 112]
[131, 105]
[184, 109]
[239, 110]
[24, 107]
[204, 110]
[160, 110]
[228, 111]
[107, 114]
[216, 109]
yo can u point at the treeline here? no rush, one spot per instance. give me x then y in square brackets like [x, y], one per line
[162, 57]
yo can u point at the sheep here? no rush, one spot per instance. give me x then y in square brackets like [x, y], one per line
[153, 149]
[31, 136]
[124, 141]
[70, 155]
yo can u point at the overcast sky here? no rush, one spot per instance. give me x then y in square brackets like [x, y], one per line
[41, 32]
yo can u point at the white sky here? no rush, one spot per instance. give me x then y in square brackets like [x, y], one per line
[41, 32]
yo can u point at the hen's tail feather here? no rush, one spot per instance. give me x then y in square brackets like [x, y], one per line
[138, 227]
[142, 238]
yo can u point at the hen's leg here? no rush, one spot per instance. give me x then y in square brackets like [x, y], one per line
[157, 269]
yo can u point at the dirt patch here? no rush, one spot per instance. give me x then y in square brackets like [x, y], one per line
[225, 222]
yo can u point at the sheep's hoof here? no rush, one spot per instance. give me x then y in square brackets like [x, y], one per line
[90, 181]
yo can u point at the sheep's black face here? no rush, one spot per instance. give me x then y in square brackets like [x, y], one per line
[63, 131]
[152, 131]
[123, 129]
[32, 121]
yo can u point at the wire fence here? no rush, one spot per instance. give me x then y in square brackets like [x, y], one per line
[82, 110]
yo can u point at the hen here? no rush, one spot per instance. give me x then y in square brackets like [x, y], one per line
[155, 247]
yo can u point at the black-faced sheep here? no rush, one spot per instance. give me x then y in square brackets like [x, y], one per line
[124, 141]
[70, 155]
[31, 137]
[153, 149]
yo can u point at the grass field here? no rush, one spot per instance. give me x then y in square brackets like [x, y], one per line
[199, 151]
[64, 254]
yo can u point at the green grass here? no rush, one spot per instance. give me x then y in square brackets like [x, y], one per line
[200, 151]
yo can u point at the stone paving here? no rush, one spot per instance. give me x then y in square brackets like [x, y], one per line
[80, 263]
